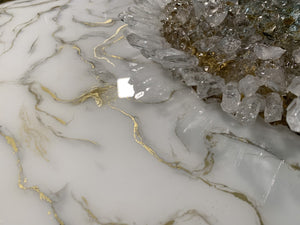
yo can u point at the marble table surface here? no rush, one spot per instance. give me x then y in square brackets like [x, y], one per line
[93, 133]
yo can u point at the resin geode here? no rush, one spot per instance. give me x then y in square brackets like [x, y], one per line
[245, 54]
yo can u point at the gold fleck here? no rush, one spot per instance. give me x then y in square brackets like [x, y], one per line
[22, 180]
[12, 143]
[84, 200]
[209, 137]
[296, 166]
[43, 196]
[171, 222]
[58, 219]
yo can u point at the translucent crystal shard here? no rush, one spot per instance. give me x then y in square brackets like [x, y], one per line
[229, 45]
[265, 52]
[296, 55]
[173, 58]
[190, 76]
[293, 115]
[273, 109]
[207, 44]
[209, 85]
[248, 110]
[249, 85]
[231, 98]
[254, 44]
[294, 87]
[274, 78]
[140, 42]
[217, 18]
[212, 11]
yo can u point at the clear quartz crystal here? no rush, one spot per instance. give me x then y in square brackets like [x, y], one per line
[217, 18]
[173, 58]
[274, 78]
[273, 109]
[212, 11]
[293, 115]
[140, 42]
[294, 87]
[191, 78]
[209, 85]
[296, 55]
[264, 52]
[229, 40]
[231, 98]
[229, 45]
[249, 85]
[262, 101]
[248, 110]
[207, 44]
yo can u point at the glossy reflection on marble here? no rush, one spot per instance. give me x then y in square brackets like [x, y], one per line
[93, 133]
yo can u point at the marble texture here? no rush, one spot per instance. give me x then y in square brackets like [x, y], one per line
[93, 133]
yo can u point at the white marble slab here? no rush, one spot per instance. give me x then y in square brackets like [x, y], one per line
[73, 152]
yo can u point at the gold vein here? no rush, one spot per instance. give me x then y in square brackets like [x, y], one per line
[38, 102]
[9, 20]
[36, 4]
[33, 135]
[39, 63]
[82, 58]
[108, 43]
[33, 46]
[209, 163]
[91, 215]
[57, 134]
[96, 93]
[246, 141]
[10, 141]
[176, 165]
[192, 212]
[26, 24]
[100, 95]
[22, 180]
[109, 22]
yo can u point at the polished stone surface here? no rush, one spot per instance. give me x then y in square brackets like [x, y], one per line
[94, 133]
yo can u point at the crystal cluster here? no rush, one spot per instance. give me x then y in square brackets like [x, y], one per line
[244, 54]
